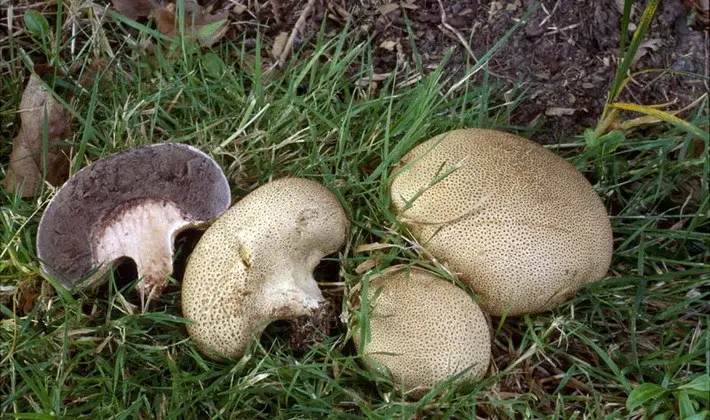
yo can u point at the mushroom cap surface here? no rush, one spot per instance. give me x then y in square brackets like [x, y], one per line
[255, 264]
[129, 204]
[517, 223]
[424, 329]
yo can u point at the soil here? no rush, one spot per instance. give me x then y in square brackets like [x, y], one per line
[564, 57]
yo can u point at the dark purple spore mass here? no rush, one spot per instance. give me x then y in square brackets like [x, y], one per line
[162, 172]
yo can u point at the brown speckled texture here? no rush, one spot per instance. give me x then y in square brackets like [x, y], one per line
[161, 172]
[516, 222]
[255, 264]
[433, 329]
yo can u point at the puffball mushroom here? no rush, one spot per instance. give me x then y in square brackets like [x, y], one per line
[129, 205]
[520, 225]
[423, 330]
[255, 264]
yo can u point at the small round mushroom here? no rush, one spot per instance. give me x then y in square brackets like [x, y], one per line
[129, 205]
[520, 225]
[255, 264]
[423, 330]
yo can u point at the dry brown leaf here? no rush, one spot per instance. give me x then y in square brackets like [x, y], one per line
[339, 10]
[279, 44]
[165, 20]
[372, 247]
[25, 173]
[134, 9]
[388, 45]
[376, 77]
[558, 112]
[388, 8]
[204, 28]
[646, 48]
[238, 9]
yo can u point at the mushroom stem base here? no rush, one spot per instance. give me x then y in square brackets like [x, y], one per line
[143, 231]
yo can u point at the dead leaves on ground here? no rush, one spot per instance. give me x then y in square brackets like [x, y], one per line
[29, 165]
[201, 26]
[135, 9]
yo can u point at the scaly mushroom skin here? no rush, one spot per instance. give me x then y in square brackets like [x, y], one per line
[129, 205]
[255, 264]
[423, 330]
[521, 226]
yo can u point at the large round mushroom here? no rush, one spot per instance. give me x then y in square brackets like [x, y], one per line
[423, 330]
[255, 264]
[520, 225]
[129, 205]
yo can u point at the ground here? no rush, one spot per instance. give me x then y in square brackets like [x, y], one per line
[366, 82]
[562, 58]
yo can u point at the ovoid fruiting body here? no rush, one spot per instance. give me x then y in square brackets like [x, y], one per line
[424, 329]
[521, 226]
[255, 264]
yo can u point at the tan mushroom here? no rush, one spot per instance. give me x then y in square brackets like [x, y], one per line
[423, 330]
[517, 223]
[255, 264]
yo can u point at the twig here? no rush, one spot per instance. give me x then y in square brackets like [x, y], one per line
[453, 30]
[555, 30]
[276, 10]
[298, 27]
[549, 14]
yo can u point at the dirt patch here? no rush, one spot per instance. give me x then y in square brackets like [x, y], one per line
[564, 57]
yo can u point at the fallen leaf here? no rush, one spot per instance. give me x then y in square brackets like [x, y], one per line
[165, 20]
[26, 171]
[366, 265]
[376, 77]
[134, 9]
[388, 45]
[339, 10]
[645, 48]
[279, 44]
[204, 28]
[558, 112]
[388, 8]
[372, 247]
[239, 9]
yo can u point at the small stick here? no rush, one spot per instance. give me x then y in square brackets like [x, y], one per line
[453, 30]
[298, 27]
[549, 14]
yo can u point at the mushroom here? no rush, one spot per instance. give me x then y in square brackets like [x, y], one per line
[255, 264]
[423, 330]
[129, 205]
[520, 225]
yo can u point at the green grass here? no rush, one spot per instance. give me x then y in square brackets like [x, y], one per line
[94, 355]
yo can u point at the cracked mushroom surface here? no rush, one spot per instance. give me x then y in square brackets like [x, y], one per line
[129, 205]
[255, 264]
[517, 223]
[423, 330]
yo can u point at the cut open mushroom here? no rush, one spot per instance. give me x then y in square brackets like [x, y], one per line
[422, 330]
[255, 264]
[129, 205]
[517, 223]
